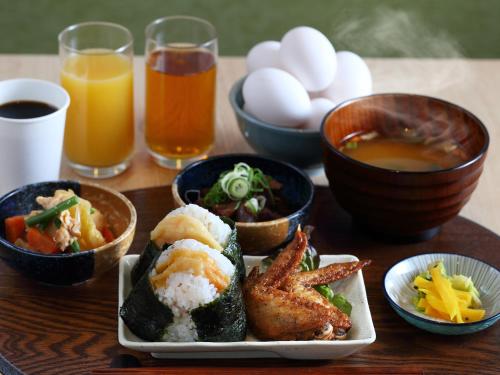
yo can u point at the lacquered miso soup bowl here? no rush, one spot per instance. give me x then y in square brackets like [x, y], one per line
[396, 204]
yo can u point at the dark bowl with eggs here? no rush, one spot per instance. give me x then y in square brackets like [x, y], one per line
[300, 147]
[391, 201]
[68, 268]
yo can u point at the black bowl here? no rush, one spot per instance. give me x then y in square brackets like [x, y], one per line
[255, 238]
[74, 268]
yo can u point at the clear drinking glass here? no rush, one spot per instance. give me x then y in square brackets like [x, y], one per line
[96, 70]
[181, 58]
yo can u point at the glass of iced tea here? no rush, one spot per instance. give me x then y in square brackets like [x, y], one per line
[96, 70]
[181, 57]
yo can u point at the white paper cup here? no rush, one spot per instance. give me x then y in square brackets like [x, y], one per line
[30, 149]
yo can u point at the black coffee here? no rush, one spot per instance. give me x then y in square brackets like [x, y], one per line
[24, 109]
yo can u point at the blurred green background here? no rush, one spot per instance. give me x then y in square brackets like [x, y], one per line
[414, 28]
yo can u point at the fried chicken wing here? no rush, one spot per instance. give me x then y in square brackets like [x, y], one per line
[283, 305]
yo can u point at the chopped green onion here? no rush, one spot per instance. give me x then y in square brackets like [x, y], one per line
[75, 246]
[215, 195]
[237, 184]
[252, 205]
[237, 189]
[49, 214]
[92, 210]
[255, 204]
[262, 201]
[351, 145]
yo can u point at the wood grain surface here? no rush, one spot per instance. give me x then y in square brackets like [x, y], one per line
[73, 330]
[349, 370]
[470, 83]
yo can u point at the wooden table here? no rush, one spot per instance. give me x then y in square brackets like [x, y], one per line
[41, 342]
[471, 83]
[73, 330]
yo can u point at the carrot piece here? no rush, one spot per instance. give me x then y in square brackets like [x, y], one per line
[107, 234]
[41, 242]
[14, 228]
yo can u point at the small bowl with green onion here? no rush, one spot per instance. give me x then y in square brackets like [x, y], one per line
[65, 232]
[268, 199]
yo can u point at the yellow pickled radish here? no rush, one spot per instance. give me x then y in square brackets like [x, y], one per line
[445, 291]
[422, 283]
[472, 315]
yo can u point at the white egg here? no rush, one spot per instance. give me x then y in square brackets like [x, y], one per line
[308, 55]
[319, 108]
[263, 55]
[353, 78]
[275, 96]
[315, 94]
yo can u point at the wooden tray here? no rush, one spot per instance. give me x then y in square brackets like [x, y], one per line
[73, 330]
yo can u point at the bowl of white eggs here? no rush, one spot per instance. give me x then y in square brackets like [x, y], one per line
[289, 88]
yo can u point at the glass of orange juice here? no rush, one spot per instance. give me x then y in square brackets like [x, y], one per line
[181, 57]
[96, 70]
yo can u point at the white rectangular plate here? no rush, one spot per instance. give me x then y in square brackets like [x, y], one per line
[361, 334]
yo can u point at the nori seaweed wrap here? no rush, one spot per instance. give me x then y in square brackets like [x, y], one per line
[189, 292]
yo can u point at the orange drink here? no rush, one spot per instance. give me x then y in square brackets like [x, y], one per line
[101, 109]
[181, 54]
[99, 134]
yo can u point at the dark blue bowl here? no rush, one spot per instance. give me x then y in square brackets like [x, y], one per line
[74, 268]
[300, 147]
[255, 238]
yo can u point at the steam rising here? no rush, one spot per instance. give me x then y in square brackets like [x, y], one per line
[398, 33]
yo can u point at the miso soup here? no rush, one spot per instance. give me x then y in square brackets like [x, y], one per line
[403, 154]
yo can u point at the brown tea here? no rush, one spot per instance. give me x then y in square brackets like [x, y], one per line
[411, 155]
[180, 102]
[26, 109]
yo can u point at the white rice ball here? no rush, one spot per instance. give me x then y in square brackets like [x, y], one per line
[184, 292]
[223, 263]
[182, 329]
[220, 230]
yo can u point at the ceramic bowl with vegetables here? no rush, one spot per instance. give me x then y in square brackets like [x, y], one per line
[266, 198]
[65, 232]
[443, 293]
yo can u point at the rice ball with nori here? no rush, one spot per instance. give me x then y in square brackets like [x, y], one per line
[191, 292]
[192, 221]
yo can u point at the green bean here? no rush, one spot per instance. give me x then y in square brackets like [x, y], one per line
[342, 303]
[75, 246]
[326, 292]
[49, 214]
